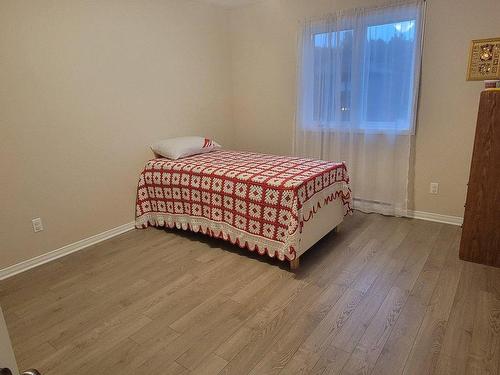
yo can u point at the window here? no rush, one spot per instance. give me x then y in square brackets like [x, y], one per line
[389, 75]
[361, 71]
[329, 107]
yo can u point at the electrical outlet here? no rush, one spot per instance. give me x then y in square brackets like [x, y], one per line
[37, 225]
[434, 189]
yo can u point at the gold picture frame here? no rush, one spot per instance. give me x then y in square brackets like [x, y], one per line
[484, 60]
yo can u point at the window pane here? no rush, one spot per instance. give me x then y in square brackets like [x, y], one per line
[332, 76]
[389, 74]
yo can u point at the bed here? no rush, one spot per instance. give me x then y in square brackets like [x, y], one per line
[275, 205]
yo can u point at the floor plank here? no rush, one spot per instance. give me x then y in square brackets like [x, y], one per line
[484, 354]
[382, 296]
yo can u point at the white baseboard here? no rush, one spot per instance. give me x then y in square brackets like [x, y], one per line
[430, 216]
[65, 250]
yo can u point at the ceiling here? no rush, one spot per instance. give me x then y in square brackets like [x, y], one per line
[229, 3]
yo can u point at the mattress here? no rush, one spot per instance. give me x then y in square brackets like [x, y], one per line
[254, 200]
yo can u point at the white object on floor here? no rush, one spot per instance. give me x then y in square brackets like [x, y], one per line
[7, 359]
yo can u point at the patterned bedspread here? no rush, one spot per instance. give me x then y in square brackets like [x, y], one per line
[254, 200]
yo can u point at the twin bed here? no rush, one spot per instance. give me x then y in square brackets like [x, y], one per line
[274, 205]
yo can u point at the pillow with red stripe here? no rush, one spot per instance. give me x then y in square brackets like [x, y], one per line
[180, 147]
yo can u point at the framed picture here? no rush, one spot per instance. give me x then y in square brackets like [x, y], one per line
[484, 60]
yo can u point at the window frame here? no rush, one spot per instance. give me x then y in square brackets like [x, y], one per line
[360, 41]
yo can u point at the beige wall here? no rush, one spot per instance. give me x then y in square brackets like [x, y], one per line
[85, 86]
[264, 74]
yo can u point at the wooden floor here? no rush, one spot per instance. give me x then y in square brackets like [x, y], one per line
[382, 296]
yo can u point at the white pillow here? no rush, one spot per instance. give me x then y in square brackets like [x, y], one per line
[175, 148]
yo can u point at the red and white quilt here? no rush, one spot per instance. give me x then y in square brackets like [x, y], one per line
[254, 200]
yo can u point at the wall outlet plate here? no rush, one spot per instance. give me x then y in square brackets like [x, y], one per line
[434, 188]
[37, 225]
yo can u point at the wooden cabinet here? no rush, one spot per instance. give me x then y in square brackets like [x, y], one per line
[481, 229]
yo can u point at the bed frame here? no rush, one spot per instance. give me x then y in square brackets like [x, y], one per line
[324, 221]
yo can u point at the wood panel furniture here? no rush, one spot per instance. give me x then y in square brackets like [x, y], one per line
[481, 229]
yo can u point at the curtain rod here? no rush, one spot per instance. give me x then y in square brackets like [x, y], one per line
[376, 7]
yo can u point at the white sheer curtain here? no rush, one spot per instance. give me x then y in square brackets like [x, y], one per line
[357, 94]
